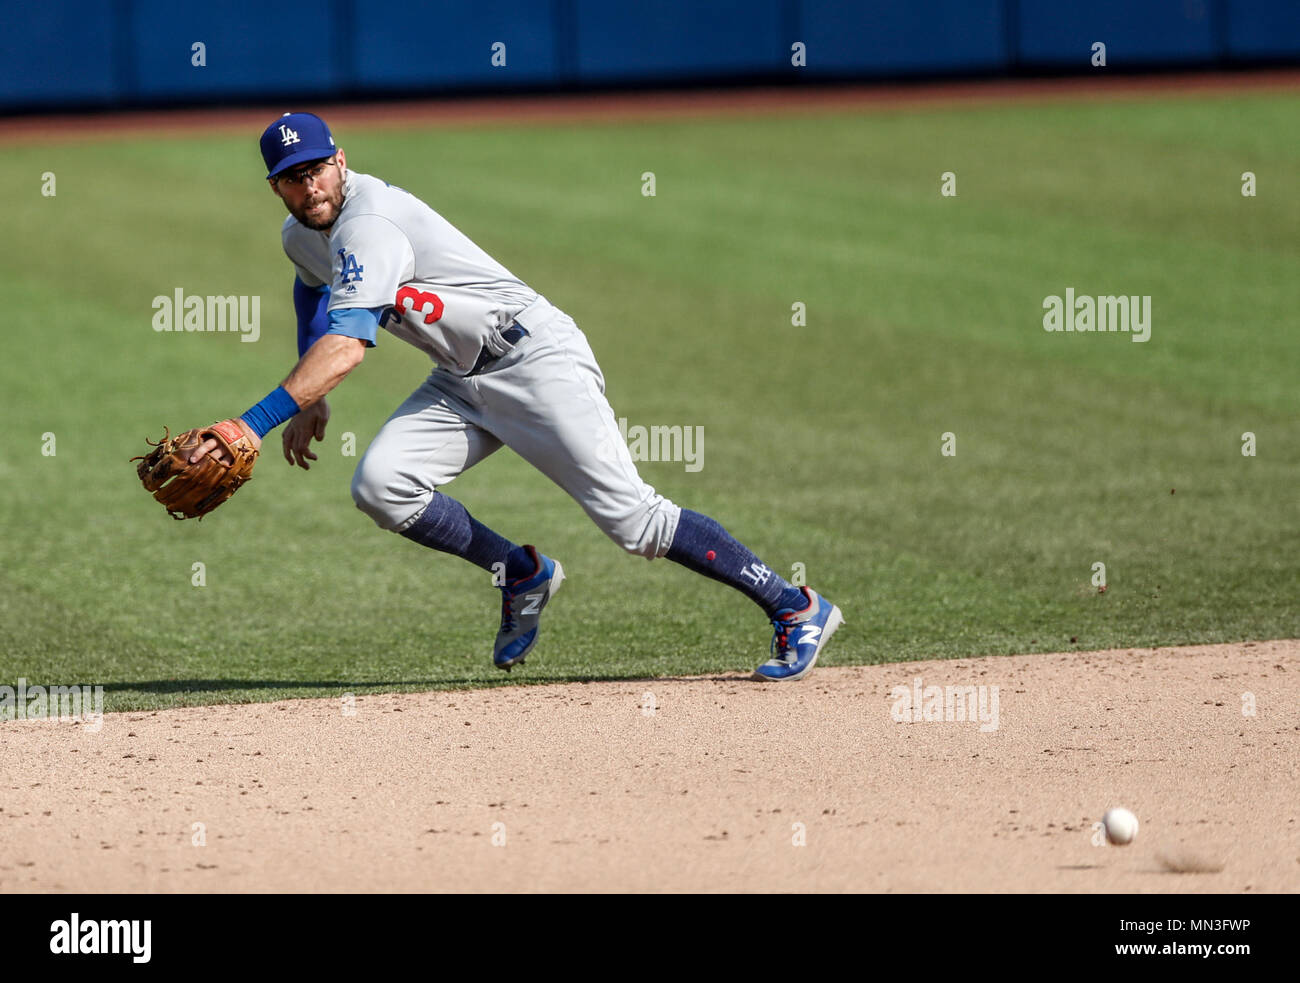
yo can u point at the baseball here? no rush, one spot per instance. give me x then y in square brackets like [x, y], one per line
[1121, 826]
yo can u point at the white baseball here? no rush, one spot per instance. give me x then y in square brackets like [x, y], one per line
[1121, 826]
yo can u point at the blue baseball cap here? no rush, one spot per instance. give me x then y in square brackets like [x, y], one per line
[295, 138]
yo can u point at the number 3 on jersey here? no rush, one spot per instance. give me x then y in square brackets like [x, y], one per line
[416, 300]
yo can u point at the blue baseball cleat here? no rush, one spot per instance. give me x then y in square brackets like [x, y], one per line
[521, 610]
[800, 637]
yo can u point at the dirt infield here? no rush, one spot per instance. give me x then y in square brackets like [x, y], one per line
[687, 785]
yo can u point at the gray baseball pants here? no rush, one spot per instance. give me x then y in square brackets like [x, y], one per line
[544, 399]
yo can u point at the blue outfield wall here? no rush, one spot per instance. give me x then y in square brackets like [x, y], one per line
[673, 38]
[245, 50]
[403, 45]
[58, 53]
[109, 53]
[905, 38]
[1060, 33]
[1264, 29]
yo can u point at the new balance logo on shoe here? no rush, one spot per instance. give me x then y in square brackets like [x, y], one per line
[521, 612]
[799, 638]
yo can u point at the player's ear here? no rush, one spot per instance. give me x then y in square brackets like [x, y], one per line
[343, 161]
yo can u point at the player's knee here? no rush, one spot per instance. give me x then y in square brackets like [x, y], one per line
[647, 532]
[368, 491]
[377, 494]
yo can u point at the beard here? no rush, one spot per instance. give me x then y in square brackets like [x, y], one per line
[323, 217]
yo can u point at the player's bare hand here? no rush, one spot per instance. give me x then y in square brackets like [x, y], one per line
[298, 435]
[213, 446]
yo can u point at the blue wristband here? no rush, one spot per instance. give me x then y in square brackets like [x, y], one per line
[272, 411]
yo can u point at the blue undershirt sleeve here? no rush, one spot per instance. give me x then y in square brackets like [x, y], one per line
[356, 322]
[311, 305]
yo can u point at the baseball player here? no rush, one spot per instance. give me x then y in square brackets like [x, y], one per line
[511, 369]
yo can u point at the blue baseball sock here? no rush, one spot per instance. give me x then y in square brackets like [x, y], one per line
[702, 545]
[446, 525]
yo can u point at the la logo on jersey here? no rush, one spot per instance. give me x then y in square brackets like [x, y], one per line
[287, 136]
[350, 274]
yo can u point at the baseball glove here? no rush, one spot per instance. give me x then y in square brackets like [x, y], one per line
[190, 491]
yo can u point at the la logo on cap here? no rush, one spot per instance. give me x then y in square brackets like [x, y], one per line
[293, 139]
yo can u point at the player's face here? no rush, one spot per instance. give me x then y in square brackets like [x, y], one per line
[313, 193]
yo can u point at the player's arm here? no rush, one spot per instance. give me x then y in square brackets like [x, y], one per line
[326, 363]
[375, 256]
[311, 304]
[348, 332]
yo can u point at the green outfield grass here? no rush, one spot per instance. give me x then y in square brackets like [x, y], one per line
[822, 442]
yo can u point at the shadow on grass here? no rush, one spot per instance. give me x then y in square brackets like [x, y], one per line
[165, 686]
[219, 685]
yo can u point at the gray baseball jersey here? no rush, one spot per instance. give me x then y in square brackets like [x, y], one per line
[389, 251]
[543, 395]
